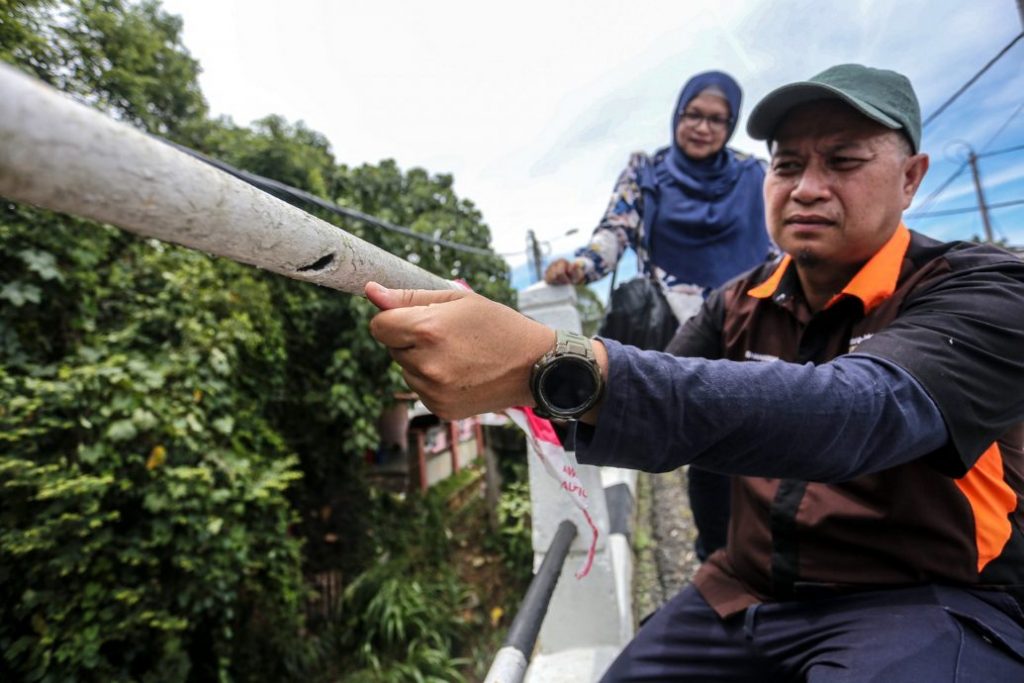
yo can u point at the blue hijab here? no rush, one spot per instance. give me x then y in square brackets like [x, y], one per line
[704, 219]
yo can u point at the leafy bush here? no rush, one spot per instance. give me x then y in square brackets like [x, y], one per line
[405, 616]
[402, 624]
[143, 522]
[181, 436]
[515, 531]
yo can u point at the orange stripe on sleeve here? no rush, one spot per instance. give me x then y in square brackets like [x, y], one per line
[992, 501]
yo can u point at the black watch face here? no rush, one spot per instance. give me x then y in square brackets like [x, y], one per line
[569, 384]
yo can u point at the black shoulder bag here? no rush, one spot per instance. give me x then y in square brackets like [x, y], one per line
[638, 313]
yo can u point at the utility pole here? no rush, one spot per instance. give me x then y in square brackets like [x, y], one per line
[533, 246]
[1020, 8]
[972, 158]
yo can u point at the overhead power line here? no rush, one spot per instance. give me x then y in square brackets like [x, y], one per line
[969, 83]
[1000, 151]
[939, 190]
[297, 197]
[963, 166]
[967, 209]
[1006, 123]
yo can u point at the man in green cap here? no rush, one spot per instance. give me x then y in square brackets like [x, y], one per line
[866, 391]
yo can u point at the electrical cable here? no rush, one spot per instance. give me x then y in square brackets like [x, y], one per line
[968, 209]
[297, 197]
[936, 192]
[969, 83]
[1000, 151]
[1003, 127]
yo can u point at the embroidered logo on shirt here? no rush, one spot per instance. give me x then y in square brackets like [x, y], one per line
[857, 341]
[763, 357]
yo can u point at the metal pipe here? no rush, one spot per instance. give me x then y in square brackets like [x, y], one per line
[510, 663]
[65, 156]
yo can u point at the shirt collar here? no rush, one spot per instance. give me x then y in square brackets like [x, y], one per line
[874, 282]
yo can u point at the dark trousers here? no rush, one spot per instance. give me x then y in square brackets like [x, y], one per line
[709, 500]
[927, 634]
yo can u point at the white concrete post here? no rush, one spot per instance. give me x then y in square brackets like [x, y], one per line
[65, 156]
[589, 620]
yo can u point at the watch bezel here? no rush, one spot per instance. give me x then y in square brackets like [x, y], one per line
[555, 359]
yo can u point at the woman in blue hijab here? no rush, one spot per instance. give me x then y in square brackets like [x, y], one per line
[693, 211]
[694, 214]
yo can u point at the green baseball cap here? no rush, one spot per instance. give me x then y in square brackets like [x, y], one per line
[882, 95]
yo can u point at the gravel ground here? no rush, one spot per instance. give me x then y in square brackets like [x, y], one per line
[663, 540]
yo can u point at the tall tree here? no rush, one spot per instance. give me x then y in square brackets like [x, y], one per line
[125, 59]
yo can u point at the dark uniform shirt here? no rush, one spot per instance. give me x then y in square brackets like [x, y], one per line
[884, 450]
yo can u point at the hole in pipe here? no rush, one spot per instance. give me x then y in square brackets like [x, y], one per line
[319, 264]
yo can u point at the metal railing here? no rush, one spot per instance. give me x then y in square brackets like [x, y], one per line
[512, 659]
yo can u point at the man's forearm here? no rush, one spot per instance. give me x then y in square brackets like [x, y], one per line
[830, 422]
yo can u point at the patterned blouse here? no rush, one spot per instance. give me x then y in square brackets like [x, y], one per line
[622, 226]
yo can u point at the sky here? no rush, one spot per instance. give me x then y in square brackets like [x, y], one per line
[535, 106]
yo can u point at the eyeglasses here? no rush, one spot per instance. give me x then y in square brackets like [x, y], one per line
[693, 119]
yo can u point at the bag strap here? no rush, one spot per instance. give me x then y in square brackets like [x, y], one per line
[646, 227]
[649, 213]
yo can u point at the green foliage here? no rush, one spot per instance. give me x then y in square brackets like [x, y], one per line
[402, 625]
[513, 540]
[143, 521]
[515, 530]
[404, 617]
[460, 483]
[116, 578]
[180, 436]
[21, 31]
[126, 59]
[428, 205]
[291, 154]
[339, 378]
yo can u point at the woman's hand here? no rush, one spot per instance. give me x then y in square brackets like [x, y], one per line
[563, 272]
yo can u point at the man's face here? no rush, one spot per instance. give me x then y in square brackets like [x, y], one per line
[837, 185]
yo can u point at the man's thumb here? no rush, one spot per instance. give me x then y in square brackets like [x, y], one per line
[385, 299]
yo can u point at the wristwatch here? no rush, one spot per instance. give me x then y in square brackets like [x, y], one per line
[566, 382]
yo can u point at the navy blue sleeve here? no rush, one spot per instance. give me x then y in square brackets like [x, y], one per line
[831, 422]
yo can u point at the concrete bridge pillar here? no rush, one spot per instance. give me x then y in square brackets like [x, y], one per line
[589, 620]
